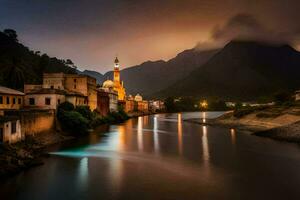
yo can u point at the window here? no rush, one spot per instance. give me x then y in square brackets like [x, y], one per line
[1, 99]
[14, 100]
[48, 101]
[31, 101]
[13, 127]
[58, 101]
[19, 101]
[74, 80]
[74, 86]
[52, 87]
[7, 100]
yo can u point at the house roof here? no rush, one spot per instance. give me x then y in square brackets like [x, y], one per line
[47, 91]
[5, 90]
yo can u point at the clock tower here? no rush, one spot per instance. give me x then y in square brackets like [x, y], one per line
[118, 85]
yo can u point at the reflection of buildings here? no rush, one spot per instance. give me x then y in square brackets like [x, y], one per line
[233, 136]
[155, 135]
[205, 144]
[179, 129]
[140, 134]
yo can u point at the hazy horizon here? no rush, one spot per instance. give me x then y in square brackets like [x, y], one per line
[92, 33]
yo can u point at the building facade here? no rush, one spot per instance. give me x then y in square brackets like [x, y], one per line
[129, 104]
[156, 105]
[10, 99]
[81, 85]
[103, 102]
[45, 98]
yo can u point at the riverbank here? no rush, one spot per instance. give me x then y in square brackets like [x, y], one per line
[277, 122]
[15, 158]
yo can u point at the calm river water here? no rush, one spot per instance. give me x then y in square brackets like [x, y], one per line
[163, 157]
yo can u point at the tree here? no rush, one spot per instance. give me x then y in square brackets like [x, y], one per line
[170, 105]
[69, 62]
[11, 33]
[282, 97]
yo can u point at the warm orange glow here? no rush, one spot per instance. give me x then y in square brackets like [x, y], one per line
[204, 104]
[122, 138]
[179, 134]
[140, 134]
[155, 135]
[233, 136]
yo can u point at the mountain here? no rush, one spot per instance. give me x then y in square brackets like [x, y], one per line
[98, 76]
[150, 77]
[18, 64]
[242, 70]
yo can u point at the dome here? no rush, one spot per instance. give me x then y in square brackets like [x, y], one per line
[108, 84]
[138, 97]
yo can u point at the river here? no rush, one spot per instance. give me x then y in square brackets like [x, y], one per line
[163, 157]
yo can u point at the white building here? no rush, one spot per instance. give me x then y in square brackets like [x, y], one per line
[44, 98]
[10, 130]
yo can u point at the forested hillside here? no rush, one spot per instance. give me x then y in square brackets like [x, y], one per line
[19, 64]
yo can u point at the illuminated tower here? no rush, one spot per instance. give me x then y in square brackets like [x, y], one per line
[118, 85]
[116, 72]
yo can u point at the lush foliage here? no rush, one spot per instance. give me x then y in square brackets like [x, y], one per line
[80, 119]
[73, 122]
[18, 64]
[70, 120]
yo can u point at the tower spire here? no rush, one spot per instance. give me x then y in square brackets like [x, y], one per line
[116, 62]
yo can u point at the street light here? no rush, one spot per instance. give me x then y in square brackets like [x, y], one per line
[204, 104]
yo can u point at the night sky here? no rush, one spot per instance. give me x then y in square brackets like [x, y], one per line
[92, 33]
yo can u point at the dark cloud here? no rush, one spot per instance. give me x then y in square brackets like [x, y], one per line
[246, 27]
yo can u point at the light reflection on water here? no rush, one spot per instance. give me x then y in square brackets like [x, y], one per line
[159, 156]
[179, 125]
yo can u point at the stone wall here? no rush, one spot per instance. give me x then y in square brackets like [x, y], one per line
[37, 121]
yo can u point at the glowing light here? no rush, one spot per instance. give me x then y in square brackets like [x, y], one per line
[179, 128]
[204, 117]
[140, 134]
[204, 104]
[83, 172]
[233, 136]
[156, 139]
[122, 138]
[205, 143]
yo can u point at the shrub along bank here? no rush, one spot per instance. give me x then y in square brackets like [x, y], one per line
[80, 119]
